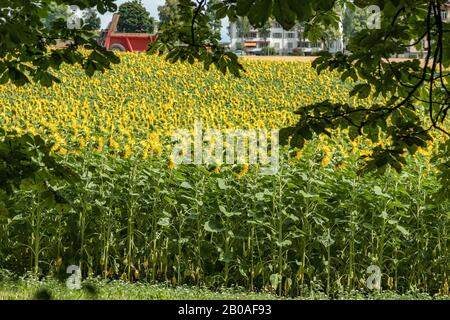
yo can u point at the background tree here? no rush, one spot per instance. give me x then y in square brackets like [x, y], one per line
[264, 32]
[215, 22]
[56, 12]
[269, 51]
[91, 19]
[191, 38]
[135, 18]
[243, 28]
[167, 11]
[354, 20]
[301, 36]
[325, 33]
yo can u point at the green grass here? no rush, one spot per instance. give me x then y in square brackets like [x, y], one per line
[119, 290]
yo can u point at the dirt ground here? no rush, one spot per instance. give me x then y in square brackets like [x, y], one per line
[299, 59]
[280, 58]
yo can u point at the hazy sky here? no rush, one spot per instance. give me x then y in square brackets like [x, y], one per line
[152, 7]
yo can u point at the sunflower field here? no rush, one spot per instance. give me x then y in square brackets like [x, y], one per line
[131, 213]
[144, 98]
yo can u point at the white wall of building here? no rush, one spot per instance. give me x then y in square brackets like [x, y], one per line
[283, 41]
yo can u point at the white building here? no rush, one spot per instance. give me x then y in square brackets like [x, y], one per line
[283, 41]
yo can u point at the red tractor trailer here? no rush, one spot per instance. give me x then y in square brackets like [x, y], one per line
[124, 42]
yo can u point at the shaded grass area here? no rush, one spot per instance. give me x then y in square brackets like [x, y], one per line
[120, 290]
[51, 289]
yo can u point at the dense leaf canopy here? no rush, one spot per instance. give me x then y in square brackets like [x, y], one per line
[135, 18]
[25, 41]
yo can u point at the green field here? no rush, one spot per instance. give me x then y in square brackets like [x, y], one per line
[118, 290]
[128, 213]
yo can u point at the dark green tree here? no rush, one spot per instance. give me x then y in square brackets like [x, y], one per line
[27, 53]
[135, 18]
[91, 19]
